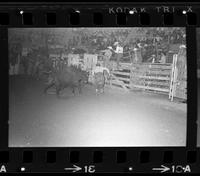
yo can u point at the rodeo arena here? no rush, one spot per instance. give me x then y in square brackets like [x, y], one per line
[71, 87]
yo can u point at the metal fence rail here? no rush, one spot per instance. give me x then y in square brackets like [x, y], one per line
[146, 76]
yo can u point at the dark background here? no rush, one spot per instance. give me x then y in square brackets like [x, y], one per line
[198, 65]
[198, 48]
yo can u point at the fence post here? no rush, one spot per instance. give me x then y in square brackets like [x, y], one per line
[173, 78]
[131, 76]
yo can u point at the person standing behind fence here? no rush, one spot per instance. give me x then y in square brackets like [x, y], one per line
[162, 58]
[107, 55]
[119, 52]
[137, 56]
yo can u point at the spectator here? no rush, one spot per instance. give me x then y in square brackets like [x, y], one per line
[119, 52]
[107, 55]
[162, 58]
[152, 59]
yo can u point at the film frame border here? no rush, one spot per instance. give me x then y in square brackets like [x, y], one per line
[111, 158]
[181, 14]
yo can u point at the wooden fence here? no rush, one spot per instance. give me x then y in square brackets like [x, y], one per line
[167, 79]
[152, 77]
[146, 76]
[120, 78]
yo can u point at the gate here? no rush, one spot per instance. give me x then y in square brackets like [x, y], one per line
[145, 76]
[120, 79]
[178, 85]
[151, 77]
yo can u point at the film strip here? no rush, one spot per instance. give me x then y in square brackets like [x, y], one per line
[134, 73]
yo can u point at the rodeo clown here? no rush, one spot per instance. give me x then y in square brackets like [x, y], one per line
[100, 75]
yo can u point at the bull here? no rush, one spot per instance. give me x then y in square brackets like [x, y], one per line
[69, 77]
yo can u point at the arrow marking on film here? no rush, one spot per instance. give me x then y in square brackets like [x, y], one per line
[74, 168]
[162, 169]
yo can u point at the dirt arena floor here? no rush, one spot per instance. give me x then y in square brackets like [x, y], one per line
[115, 118]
